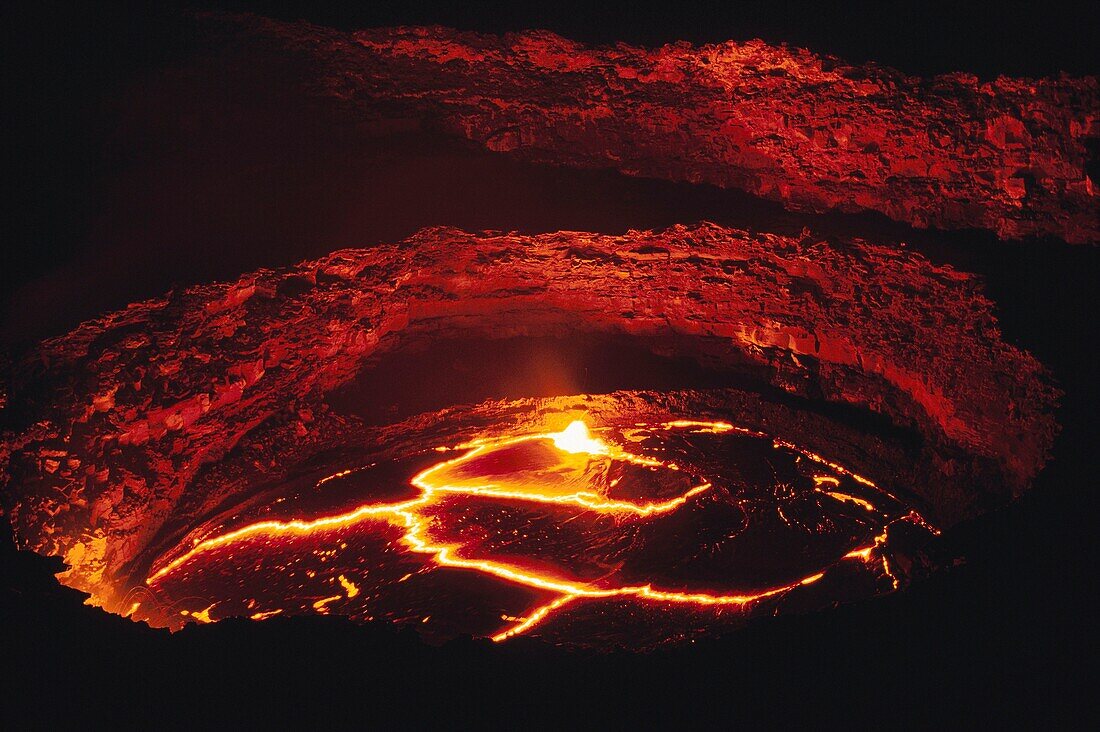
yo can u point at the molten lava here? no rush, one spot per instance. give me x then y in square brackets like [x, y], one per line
[533, 485]
[146, 425]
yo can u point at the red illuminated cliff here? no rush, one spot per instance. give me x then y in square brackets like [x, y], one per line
[131, 430]
[1009, 155]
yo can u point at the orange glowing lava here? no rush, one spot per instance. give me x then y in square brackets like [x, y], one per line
[572, 467]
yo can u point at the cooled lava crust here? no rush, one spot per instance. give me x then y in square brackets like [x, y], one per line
[1010, 155]
[128, 435]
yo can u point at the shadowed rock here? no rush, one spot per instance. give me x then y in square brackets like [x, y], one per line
[1009, 155]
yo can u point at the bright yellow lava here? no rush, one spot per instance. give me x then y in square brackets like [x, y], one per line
[575, 439]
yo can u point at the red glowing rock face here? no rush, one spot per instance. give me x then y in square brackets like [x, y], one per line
[140, 425]
[815, 133]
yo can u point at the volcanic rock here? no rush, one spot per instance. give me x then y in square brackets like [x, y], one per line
[127, 432]
[1010, 155]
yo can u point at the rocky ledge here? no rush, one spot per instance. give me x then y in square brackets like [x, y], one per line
[1010, 155]
[137, 426]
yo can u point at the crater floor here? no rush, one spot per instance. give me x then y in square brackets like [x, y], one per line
[630, 535]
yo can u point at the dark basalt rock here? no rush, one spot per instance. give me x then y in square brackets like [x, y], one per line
[1009, 155]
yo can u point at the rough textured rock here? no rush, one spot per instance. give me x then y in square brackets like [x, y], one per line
[1009, 155]
[144, 420]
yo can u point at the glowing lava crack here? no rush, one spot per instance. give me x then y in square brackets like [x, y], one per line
[570, 468]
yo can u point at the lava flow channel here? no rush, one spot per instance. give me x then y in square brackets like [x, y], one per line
[571, 469]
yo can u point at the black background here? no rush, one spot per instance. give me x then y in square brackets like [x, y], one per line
[126, 181]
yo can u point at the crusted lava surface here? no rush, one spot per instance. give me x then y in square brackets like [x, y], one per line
[139, 431]
[629, 534]
[1011, 155]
